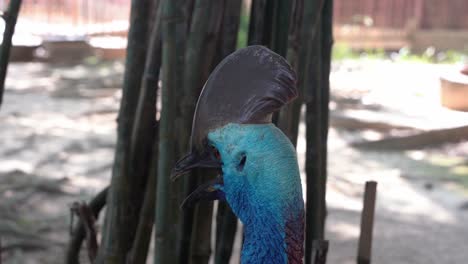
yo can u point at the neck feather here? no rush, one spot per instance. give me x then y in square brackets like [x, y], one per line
[268, 240]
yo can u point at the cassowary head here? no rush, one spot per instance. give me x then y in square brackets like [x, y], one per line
[232, 131]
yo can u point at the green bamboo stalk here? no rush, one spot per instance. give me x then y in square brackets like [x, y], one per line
[280, 26]
[228, 35]
[312, 89]
[200, 45]
[10, 16]
[124, 198]
[145, 118]
[327, 44]
[289, 116]
[140, 247]
[193, 82]
[226, 221]
[226, 229]
[201, 245]
[167, 193]
[314, 146]
[200, 53]
[145, 155]
[257, 22]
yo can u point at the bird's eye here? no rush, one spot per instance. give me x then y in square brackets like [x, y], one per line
[240, 166]
[215, 153]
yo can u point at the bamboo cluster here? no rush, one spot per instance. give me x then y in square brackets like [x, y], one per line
[173, 45]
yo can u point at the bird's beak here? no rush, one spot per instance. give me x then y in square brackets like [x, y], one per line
[210, 191]
[194, 160]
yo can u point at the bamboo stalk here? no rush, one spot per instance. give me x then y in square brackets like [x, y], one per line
[226, 228]
[200, 54]
[10, 16]
[124, 197]
[140, 247]
[257, 22]
[226, 221]
[145, 155]
[326, 53]
[289, 116]
[167, 194]
[275, 32]
[229, 29]
[201, 239]
[193, 81]
[145, 117]
[314, 156]
[281, 13]
[310, 80]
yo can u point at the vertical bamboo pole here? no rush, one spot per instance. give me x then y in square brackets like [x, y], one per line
[280, 26]
[145, 155]
[257, 22]
[206, 53]
[124, 198]
[10, 17]
[226, 221]
[315, 211]
[326, 46]
[288, 119]
[311, 73]
[167, 194]
[198, 57]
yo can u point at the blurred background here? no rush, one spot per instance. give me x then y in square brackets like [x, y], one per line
[398, 116]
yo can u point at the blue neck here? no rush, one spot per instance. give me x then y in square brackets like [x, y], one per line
[268, 239]
[265, 193]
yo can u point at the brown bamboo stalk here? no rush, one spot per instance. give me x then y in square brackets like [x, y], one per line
[9, 16]
[124, 197]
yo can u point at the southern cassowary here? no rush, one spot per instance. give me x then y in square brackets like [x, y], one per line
[232, 131]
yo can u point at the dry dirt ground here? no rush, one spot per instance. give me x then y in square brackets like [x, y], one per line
[58, 132]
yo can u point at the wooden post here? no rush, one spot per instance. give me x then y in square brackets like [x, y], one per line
[367, 223]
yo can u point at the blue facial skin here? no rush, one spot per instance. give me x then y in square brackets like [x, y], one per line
[262, 185]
